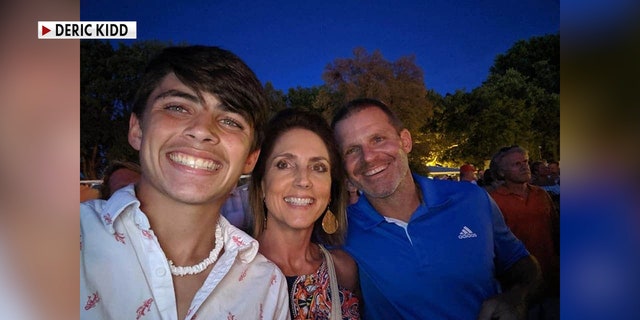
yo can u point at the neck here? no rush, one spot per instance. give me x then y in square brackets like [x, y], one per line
[186, 232]
[402, 203]
[292, 251]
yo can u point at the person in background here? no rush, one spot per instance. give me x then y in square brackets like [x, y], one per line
[117, 175]
[298, 198]
[352, 192]
[159, 249]
[236, 208]
[542, 177]
[413, 237]
[530, 213]
[554, 171]
[468, 174]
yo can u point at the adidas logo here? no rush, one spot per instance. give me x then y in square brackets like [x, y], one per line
[466, 233]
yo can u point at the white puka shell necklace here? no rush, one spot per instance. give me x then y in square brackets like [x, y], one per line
[195, 269]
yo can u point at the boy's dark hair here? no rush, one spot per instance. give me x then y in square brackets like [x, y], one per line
[212, 70]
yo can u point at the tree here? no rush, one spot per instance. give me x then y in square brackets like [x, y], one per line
[277, 99]
[517, 104]
[108, 80]
[538, 59]
[399, 84]
[504, 108]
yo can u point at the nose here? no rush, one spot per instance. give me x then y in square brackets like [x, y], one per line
[202, 128]
[302, 179]
[367, 154]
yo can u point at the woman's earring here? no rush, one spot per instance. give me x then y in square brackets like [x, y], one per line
[329, 222]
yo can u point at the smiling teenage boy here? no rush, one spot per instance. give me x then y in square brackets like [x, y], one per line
[160, 249]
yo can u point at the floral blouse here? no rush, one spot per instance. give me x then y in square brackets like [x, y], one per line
[310, 297]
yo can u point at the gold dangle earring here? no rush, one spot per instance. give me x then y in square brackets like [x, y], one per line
[329, 222]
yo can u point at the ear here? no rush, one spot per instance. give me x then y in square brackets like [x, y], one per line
[135, 132]
[251, 162]
[405, 139]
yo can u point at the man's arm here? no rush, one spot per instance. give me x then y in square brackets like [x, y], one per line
[520, 283]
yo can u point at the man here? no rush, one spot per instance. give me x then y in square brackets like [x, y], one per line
[426, 249]
[530, 213]
[468, 174]
[159, 249]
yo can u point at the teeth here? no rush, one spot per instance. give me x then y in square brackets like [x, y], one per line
[298, 201]
[374, 171]
[193, 162]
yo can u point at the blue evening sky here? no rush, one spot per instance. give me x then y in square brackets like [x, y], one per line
[289, 43]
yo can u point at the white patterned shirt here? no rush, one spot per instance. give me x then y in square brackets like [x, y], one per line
[124, 274]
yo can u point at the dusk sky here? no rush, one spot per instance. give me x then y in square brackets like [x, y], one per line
[289, 43]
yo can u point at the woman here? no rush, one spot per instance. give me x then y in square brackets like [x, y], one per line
[298, 197]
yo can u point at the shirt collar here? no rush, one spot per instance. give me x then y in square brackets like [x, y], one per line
[122, 199]
[501, 189]
[236, 240]
[434, 199]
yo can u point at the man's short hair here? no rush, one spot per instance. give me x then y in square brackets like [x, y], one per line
[356, 105]
[496, 161]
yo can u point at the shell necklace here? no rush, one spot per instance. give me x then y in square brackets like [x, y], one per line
[195, 269]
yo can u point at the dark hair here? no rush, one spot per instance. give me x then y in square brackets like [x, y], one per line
[356, 105]
[281, 123]
[105, 189]
[496, 160]
[209, 70]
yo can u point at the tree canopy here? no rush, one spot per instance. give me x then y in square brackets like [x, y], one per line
[518, 103]
[108, 81]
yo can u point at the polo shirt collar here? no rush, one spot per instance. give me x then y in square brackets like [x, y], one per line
[433, 200]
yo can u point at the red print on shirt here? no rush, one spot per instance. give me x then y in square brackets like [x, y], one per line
[146, 306]
[92, 301]
[237, 240]
[119, 237]
[107, 218]
[147, 234]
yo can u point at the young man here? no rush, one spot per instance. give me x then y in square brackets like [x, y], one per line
[426, 249]
[160, 249]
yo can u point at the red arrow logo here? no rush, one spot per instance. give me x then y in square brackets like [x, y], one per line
[45, 30]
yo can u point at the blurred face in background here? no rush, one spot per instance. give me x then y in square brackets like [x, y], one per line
[122, 177]
[515, 167]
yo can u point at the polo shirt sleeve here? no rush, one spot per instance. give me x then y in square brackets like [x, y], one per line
[507, 247]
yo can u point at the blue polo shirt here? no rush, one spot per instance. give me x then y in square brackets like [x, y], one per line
[443, 265]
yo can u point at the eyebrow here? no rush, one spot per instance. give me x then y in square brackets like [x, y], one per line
[178, 94]
[292, 156]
